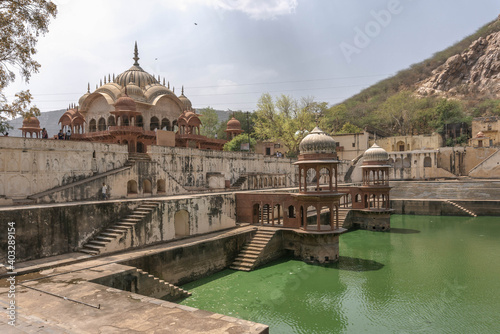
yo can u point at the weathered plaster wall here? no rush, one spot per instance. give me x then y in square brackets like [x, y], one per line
[52, 230]
[28, 166]
[190, 262]
[473, 190]
[441, 208]
[45, 231]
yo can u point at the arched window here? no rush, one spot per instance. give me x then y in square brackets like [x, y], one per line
[140, 147]
[165, 124]
[146, 186]
[291, 211]
[160, 186]
[132, 187]
[427, 162]
[111, 120]
[139, 122]
[154, 123]
[406, 162]
[101, 125]
[92, 125]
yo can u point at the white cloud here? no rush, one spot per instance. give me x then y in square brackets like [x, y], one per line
[255, 9]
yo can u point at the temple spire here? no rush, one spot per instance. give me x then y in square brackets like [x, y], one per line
[182, 90]
[88, 87]
[136, 55]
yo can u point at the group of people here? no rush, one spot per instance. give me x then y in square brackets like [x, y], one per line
[63, 136]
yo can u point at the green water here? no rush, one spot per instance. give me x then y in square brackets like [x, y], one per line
[428, 275]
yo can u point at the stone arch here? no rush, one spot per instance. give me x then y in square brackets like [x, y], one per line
[141, 148]
[275, 183]
[139, 121]
[398, 163]
[101, 125]
[111, 121]
[400, 146]
[92, 125]
[311, 215]
[165, 124]
[132, 187]
[146, 186]
[291, 211]
[406, 162]
[255, 213]
[357, 198]
[265, 182]
[427, 162]
[154, 123]
[161, 186]
[181, 223]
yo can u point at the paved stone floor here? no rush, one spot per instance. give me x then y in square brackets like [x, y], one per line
[63, 300]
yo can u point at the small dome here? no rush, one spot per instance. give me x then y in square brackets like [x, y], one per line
[233, 124]
[31, 122]
[134, 91]
[185, 101]
[84, 96]
[375, 153]
[125, 103]
[317, 142]
[480, 134]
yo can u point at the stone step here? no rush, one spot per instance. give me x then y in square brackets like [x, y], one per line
[137, 216]
[104, 238]
[89, 251]
[239, 268]
[131, 220]
[257, 243]
[115, 231]
[110, 234]
[125, 223]
[123, 228]
[253, 252]
[243, 263]
[93, 247]
[96, 242]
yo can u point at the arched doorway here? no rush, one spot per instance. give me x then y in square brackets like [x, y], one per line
[181, 223]
[140, 147]
[132, 187]
[146, 186]
[160, 186]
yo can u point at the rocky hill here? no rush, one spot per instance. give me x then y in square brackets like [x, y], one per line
[474, 72]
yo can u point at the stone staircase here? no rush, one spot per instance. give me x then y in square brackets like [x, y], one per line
[114, 238]
[343, 212]
[251, 252]
[155, 287]
[134, 156]
[467, 211]
[239, 182]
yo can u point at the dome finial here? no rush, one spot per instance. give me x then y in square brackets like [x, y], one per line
[182, 90]
[88, 87]
[136, 55]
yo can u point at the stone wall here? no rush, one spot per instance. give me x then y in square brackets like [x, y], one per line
[29, 166]
[192, 261]
[45, 231]
[34, 166]
[442, 208]
[52, 230]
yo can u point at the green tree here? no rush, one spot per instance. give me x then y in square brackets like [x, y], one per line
[349, 128]
[209, 121]
[235, 143]
[397, 112]
[284, 119]
[21, 23]
[334, 118]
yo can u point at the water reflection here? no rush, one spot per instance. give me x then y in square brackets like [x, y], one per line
[403, 230]
[356, 264]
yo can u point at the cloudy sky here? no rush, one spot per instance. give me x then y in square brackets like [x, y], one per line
[227, 53]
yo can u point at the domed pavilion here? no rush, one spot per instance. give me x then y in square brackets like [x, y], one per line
[31, 125]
